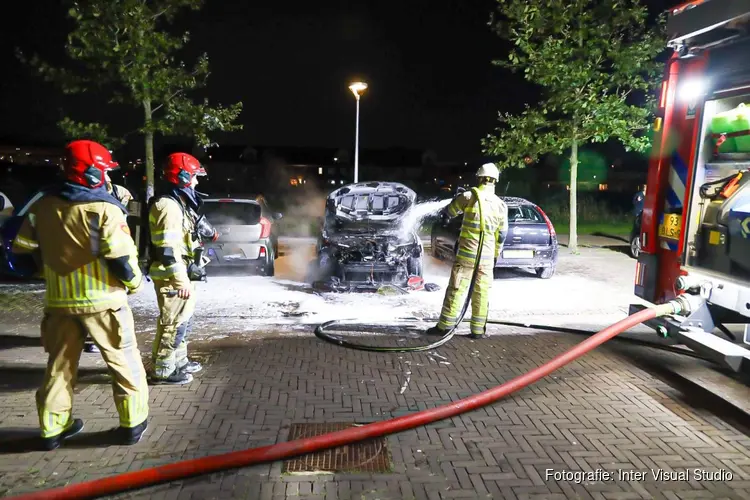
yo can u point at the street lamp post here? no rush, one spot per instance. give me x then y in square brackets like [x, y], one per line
[357, 88]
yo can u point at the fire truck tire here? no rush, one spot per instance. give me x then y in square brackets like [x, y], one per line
[545, 272]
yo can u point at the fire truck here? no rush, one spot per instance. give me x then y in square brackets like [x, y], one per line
[695, 232]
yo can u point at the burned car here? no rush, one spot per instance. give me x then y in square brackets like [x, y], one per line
[367, 240]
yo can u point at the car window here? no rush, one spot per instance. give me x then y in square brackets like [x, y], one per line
[524, 213]
[229, 213]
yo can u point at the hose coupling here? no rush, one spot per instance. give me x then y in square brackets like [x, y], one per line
[686, 304]
[687, 283]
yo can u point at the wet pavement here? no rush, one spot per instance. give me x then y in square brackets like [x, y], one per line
[265, 372]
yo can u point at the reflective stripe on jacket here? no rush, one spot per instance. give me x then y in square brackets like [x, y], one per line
[495, 219]
[75, 241]
[171, 230]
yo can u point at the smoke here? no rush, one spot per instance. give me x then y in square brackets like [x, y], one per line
[300, 255]
[303, 209]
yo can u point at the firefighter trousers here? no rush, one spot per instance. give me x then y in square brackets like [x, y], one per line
[63, 336]
[455, 295]
[170, 345]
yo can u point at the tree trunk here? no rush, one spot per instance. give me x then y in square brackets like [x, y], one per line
[573, 236]
[149, 143]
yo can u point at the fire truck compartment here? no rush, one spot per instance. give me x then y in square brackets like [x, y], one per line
[718, 222]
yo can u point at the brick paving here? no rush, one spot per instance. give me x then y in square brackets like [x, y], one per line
[598, 413]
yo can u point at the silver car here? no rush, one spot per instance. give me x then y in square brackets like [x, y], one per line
[247, 238]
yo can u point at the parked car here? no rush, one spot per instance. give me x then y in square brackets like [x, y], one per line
[364, 241]
[6, 208]
[15, 265]
[248, 240]
[531, 241]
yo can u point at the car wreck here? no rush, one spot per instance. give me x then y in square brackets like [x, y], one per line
[366, 242]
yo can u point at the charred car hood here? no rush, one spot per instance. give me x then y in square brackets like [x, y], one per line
[377, 203]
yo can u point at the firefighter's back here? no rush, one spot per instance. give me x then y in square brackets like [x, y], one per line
[493, 214]
[71, 241]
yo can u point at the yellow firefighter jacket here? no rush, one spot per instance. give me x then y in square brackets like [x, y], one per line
[88, 256]
[120, 193]
[495, 219]
[172, 243]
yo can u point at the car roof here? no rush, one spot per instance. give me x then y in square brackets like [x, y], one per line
[513, 200]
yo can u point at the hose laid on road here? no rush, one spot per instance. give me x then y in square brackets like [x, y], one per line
[321, 329]
[207, 465]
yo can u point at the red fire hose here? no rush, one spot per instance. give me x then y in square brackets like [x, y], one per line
[254, 456]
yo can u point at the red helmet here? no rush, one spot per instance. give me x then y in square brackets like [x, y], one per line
[86, 162]
[181, 168]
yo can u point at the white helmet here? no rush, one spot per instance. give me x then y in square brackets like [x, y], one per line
[489, 170]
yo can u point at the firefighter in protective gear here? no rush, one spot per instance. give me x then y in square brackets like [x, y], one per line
[80, 238]
[482, 212]
[175, 250]
[122, 195]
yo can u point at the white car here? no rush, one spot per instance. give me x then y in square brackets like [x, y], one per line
[247, 240]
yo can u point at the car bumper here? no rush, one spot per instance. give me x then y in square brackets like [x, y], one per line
[528, 257]
[363, 273]
[240, 257]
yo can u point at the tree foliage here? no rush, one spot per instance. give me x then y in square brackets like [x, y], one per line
[123, 49]
[595, 64]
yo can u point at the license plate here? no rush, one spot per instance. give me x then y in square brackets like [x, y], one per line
[670, 227]
[233, 253]
[518, 254]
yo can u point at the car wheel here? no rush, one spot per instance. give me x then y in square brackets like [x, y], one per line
[545, 272]
[414, 266]
[269, 269]
[635, 246]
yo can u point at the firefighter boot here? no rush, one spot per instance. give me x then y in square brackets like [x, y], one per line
[131, 435]
[435, 330]
[177, 377]
[54, 442]
[191, 367]
[90, 347]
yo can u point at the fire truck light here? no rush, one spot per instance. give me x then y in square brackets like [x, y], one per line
[691, 90]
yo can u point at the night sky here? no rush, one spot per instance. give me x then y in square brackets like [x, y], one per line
[427, 63]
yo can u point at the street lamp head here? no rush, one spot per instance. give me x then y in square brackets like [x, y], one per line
[357, 88]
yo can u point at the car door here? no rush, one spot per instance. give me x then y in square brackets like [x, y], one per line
[13, 264]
